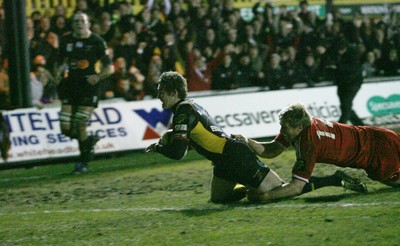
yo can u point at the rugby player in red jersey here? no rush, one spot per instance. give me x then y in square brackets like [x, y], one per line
[373, 149]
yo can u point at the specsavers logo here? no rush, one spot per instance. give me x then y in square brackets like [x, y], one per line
[378, 105]
[157, 122]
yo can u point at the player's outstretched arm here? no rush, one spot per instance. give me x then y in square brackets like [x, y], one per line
[263, 149]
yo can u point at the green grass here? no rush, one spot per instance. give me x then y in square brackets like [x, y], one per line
[139, 199]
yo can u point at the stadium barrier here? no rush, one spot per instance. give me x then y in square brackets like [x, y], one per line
[123, 126]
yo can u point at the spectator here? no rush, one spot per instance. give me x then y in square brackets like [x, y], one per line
[36, 16]
[82, 6]
[126, 22]
[369, 67]
[60, 26]
[256, 61]
[123, 89]
[309, 71]
[304, 14]
[381, 45]
[225, 75]
[177, 11]
[245, 75]
[323, 59]
[183, 33]
[2, 31]
[126, 47]
[47, 79]
[125, 82]
[37, 88]
[289, 67]
[273, 74]
[107, 28]
[286, 37]
[170, 54]
[199, 71]
[153, 74]
[4, 85]
[392, 64]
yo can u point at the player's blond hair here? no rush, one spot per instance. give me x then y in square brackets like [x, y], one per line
[295, 115]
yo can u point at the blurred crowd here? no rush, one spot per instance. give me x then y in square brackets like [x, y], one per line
[210, 44]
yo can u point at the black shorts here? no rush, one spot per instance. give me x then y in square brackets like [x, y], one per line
[240, 165]
[78, 92]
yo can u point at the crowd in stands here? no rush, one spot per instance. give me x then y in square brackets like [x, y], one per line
[211, 44]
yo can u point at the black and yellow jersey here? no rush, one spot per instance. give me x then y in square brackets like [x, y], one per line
[193, 126]
[82, 54]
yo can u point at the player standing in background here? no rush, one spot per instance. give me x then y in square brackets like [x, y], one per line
[374, 149]
[349, 79]
[233, 160]
[79, 89]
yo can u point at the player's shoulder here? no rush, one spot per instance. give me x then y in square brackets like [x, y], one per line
[96, 38]
[185, 105]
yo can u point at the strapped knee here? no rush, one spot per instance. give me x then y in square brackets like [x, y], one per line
[82, 117]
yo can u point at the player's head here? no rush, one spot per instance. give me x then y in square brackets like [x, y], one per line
[173, 81]
[172, 87]
[80, 24]
[295, 115]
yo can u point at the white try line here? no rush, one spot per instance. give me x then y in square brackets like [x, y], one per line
[210, 208]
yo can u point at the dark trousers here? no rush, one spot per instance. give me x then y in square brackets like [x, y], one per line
[346, 94]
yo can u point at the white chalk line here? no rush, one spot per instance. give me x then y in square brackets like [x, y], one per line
[207, 208]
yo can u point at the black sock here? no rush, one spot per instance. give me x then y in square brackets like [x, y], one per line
[83, 148]
[319, 182]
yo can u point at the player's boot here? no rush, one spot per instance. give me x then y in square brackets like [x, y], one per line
[351, 183]
[80, 167]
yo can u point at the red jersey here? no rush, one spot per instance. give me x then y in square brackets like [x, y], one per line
[374, 149]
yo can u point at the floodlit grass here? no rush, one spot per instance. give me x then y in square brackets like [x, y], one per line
[139, 199]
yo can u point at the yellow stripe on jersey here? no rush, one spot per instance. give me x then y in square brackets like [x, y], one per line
[207, 140]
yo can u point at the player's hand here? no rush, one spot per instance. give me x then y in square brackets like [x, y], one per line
[93, 79]
[151, 148]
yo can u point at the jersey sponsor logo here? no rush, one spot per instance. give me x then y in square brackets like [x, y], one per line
[180, 127]
[79, 44]
[82, 64]
[215, 128]
[326, 134]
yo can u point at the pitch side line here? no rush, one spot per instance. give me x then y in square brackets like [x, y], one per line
[216, 208]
